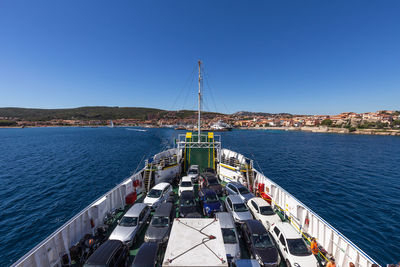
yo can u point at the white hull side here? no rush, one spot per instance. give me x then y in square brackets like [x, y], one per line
[168, 174]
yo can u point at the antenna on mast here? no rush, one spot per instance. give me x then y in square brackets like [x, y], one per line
[199, 119]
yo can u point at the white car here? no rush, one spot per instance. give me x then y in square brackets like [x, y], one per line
[263, 212]
[293, 248]
[185, 185]
[157, 195]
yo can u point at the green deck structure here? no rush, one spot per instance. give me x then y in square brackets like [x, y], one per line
[203, 153]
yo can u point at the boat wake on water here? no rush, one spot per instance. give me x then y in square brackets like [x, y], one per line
[136, 130]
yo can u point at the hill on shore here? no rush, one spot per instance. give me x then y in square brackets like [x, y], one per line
[95, 113]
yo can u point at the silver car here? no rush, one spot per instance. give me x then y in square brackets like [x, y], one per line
[235, 188]
[239, 210]
[193, 173]
[229, 234]
[131, 224]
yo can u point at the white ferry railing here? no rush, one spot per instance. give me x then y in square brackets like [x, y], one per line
[304, 219]
[49, 251]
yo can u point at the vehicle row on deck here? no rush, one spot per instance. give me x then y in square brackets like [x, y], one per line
[242, 217]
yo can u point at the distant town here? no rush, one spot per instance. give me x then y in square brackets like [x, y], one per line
[379, 122]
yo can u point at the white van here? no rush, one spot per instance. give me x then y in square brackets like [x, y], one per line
[293, 248]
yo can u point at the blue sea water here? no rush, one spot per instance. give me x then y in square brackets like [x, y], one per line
[47, 175]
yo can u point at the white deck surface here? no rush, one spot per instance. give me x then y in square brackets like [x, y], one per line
[183, 238]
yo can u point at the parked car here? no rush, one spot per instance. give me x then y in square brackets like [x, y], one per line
[263, 212]
[246, 263]
[238, 209]
[148, 255]
[209, 180]
[209, 201]
[210, 170]
[160, 224]
[235, 188]
[260, 244]
[131, 224]
[111, 253]
[158, 194]
[171, 197]
[293, 248]
[230, 235]
[193, 173]
[185, 185]
[188, 207]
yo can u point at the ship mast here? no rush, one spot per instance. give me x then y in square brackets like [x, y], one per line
[199, 119]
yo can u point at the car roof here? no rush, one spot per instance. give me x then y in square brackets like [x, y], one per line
[187, 194]
[194, 167]
[146, 255]
[208, 191]
[164, 209]
[104, 252]
[235, 199]
[236, 184]
[136, 209]
[225, 219]
[186, 179]
[246, 263]
[256, 227]
[288, 230]
[160, 186]
[259, 201]
[209, 175]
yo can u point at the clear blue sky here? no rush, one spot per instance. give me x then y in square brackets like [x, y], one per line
[308, 57]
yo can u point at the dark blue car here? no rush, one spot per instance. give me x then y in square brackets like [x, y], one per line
[209, 201]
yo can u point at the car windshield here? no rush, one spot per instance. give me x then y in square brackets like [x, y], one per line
[187, 202]
[211, 198]
[266, 210]
[154, 193]
[128, 221]
[186, 184]
[240, 207]
[160, 221]
[262, 241]
[213, 182]
[243, 190]
[192, 172]
[229, 235]
[297, 247]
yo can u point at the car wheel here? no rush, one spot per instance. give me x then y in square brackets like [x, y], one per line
[126, 263]
[288, 264]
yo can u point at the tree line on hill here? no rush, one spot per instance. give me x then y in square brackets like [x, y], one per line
[95, 113]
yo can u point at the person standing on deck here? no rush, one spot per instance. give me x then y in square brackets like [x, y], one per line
[331, 263]
[314, 247]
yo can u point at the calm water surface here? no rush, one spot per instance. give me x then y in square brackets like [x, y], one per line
[47, 175]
